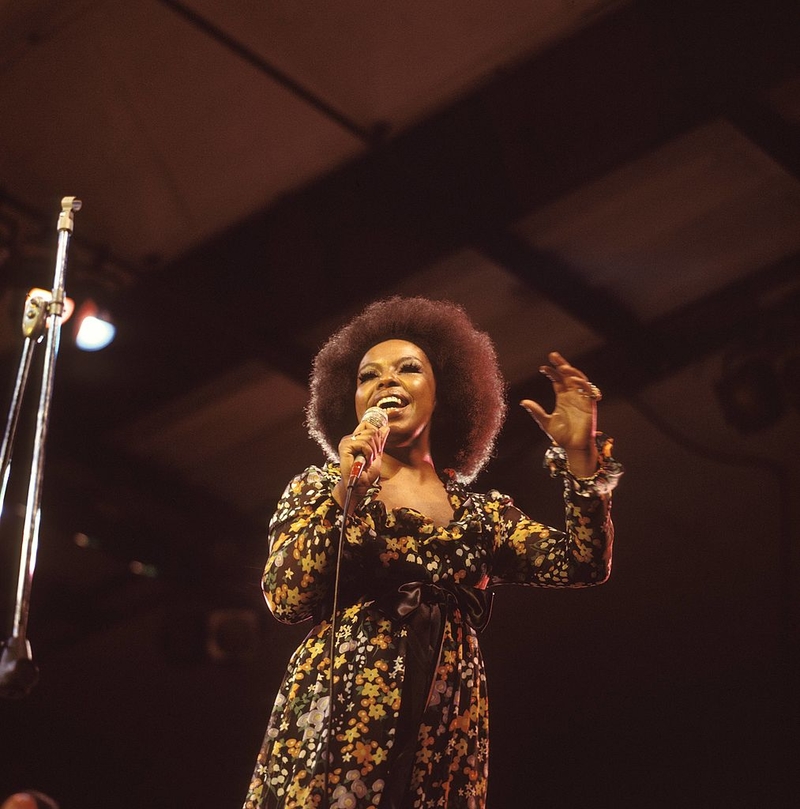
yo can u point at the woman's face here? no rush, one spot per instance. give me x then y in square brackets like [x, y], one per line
[396, 376]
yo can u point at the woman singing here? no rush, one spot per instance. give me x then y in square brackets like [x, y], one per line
[407, 725]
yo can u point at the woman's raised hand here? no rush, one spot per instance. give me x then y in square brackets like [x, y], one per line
[573, 420]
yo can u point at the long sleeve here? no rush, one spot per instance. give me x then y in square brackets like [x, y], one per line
[303, 534]
[528, 552]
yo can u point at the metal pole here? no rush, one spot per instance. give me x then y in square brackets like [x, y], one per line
[18, 673]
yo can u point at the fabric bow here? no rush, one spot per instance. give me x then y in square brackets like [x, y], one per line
[475, 605]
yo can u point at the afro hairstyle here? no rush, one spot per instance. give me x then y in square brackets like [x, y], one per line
[470, 391]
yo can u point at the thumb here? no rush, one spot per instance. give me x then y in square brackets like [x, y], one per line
[537, 412]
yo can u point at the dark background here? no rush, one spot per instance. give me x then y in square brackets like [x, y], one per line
[620, 181]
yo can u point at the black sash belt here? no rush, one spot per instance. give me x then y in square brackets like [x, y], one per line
[474, 605]
[402, 601]
[423, 606]
[404, 604]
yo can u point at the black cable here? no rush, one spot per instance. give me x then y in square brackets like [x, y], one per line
[332, 639]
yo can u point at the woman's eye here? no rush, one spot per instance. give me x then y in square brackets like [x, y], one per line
[364, 376]
[411, 367]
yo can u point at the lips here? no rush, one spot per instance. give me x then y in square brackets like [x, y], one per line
[391, 401]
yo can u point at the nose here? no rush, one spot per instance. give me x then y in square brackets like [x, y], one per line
[387, 379]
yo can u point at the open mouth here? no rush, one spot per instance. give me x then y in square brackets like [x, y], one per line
[390, 403]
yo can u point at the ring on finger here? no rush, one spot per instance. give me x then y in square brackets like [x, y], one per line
[592, 392]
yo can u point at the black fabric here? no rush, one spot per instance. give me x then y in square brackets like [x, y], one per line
[421, 605]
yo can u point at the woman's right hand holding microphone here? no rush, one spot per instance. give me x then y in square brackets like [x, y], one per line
[360, 456]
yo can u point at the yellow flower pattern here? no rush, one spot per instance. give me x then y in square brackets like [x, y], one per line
[380, 754]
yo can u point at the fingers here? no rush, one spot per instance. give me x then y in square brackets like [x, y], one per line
[367, 440]
[575, 394]
[561, 372]
[566, 377]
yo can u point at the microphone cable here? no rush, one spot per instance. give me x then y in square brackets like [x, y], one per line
[332, 640]
[377, 418]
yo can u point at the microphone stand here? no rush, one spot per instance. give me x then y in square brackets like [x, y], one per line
[43, 313]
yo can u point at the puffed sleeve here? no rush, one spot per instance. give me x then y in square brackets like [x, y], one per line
[528, 552]
[303, 534]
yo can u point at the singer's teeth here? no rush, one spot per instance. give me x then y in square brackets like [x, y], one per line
[389, 402]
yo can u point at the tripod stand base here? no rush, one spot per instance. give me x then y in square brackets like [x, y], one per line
[18, 673]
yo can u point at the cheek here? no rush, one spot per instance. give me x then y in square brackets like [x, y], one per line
[361, 397]
[427, 391]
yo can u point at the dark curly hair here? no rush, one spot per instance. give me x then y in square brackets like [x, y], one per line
[470, 391]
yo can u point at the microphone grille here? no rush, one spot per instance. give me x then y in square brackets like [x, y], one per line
[376, 417]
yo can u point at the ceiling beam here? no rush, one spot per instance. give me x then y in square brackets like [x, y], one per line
[757, 309]
[556, 280]
[611, 93]
[316, 102]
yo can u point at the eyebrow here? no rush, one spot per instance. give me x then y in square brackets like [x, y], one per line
[399, 360]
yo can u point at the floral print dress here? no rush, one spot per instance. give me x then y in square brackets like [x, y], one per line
[409, 715]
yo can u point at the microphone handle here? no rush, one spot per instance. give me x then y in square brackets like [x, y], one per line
[377, 418]
[359, 462]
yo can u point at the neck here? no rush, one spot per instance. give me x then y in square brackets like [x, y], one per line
[407, 459]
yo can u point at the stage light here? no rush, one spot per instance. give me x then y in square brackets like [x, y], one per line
[94, 329]
[95, 334]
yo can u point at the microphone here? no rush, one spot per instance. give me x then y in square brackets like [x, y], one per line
[377, 418]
